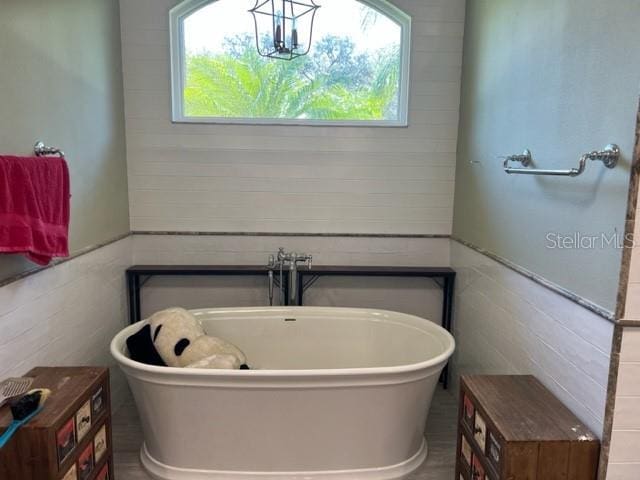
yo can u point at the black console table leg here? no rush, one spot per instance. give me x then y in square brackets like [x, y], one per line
[138, 306]
[447, 312]
[285, 290]
[131, 294]
[133, 290]
[300, 282]
[449, 294]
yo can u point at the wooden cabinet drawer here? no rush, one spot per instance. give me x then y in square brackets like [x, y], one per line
[477, 470]
[493, 449]
[468, 411]
[480, 431]
[465, 457]
[472, 463]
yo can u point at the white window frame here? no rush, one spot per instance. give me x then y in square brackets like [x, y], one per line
[176, 30]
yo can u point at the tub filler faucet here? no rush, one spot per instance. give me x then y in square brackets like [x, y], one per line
[278, 263]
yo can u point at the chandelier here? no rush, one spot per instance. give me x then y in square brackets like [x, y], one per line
[287, 26]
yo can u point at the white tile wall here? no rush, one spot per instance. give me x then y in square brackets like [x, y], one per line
[255, 250]
[624, 452]
[507, 324]
[623, 471]
[304, 179]
[417, 296]
[66, 315]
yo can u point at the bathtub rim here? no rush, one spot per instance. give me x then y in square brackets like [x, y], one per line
[433, 363]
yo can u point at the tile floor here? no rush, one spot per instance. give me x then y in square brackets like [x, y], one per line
[441, 434]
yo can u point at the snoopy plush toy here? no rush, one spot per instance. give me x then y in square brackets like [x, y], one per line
[175, 338]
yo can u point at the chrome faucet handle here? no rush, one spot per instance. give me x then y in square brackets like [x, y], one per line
[309, 261]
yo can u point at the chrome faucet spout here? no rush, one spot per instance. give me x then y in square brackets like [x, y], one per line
[293, 282]
[279, 262]
[271, 283]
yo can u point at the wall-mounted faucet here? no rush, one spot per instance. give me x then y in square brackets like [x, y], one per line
[279, 262]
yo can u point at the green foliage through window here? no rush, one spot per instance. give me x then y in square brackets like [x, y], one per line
[333, 82]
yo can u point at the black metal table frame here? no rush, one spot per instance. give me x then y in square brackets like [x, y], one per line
[135, 275]
[448, 275]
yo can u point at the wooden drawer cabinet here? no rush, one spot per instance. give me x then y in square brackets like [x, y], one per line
[511, 427]
[71, 438]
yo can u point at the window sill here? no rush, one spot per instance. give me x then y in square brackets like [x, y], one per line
[289, 122]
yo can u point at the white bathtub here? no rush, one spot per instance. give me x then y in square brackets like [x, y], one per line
[334, 393]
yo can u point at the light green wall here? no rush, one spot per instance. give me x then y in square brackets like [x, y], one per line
[560, 78]
[61, 82]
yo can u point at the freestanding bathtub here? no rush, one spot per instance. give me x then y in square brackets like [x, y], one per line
[334, 393]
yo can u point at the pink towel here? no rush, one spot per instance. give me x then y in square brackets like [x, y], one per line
[34, 207]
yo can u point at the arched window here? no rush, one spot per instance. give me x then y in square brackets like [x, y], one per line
[356, 72]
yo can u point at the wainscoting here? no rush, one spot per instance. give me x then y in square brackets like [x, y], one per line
[624, 458]
[507, 323]
[66, 314]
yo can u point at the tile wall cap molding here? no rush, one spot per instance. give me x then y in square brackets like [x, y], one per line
[59, 261]
[36, 269]
[287, 234]
[569, 295]
[583, 302]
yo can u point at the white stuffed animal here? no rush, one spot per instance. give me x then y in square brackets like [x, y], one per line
[181, 341]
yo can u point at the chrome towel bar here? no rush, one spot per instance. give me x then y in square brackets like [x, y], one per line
[41, 150]
[609, 156]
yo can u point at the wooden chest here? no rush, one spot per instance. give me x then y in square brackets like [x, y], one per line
[71, 438]
[513, 428]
